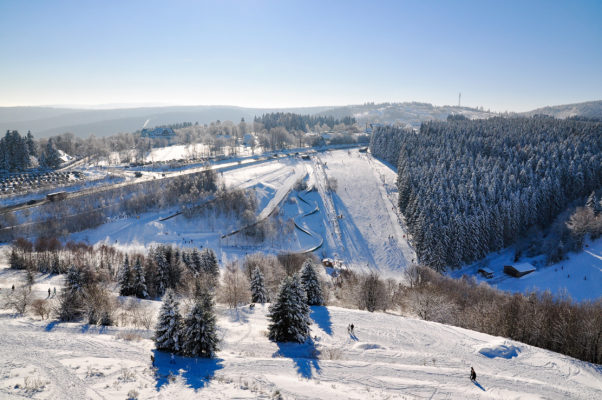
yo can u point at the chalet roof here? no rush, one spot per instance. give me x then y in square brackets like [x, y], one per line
[523, 267]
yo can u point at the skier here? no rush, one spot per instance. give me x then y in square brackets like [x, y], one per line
[473, 375]
[48, 292]
[352, 332]
[13, 289]
[54, 291]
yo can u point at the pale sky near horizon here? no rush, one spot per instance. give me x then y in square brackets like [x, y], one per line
[502, 55]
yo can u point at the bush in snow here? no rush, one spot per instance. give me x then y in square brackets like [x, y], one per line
[200, 330]
[271, 269]
[99, 305]
[258, 291]
[311, 284]
[289, 315]
[373, 295]
[235, 290]
[169, 325]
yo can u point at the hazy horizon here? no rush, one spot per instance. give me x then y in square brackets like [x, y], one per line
[510, 56]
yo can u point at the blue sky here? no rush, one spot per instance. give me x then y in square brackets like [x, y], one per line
[503, 55]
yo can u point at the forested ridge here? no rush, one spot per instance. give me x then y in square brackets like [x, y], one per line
[299, 122]
[467, 188]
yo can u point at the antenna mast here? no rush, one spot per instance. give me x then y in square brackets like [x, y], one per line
[459, 99]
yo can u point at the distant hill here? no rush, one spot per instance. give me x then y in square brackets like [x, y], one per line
[48, 121]
[589, 109]
[411, 113]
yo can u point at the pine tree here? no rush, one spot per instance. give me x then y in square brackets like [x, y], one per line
[195, 261]
[311, 284]
[74, 280]
[289, 315]
[162, 279]
[209, 262]
[51, 157]
[591, 201]
[258, 291]
[31, 144]
[15, 260]
[124, 279]
[139, 286]
[169, 324]
[200, 329]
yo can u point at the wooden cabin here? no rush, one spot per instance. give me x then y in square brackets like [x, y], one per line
[485, 272]
[518, 270]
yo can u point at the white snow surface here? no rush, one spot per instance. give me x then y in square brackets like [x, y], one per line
[389, 357]
[358, 223]
[580, 275]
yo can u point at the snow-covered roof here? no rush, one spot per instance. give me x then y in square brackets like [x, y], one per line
[524, 267]
[486, 270]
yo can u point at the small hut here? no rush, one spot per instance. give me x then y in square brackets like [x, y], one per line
[485, 272]
[518, 270]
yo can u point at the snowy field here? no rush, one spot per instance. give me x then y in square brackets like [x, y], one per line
[389, 357]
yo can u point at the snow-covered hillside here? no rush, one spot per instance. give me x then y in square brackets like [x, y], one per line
[580, 275]
[389, 357]
[358, 222]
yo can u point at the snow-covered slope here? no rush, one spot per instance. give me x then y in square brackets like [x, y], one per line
[389, 357]
[358, 222]
[580, 275]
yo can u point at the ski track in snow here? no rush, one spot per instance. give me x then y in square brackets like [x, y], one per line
[371, 232]
[390, 357]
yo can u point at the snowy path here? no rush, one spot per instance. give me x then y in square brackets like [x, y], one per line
[372, 236]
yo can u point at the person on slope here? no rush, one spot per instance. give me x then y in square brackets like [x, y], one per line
[473, 375]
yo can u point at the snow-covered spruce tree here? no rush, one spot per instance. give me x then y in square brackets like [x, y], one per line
[139, 285]
[289, 315]
[195, 261]
[70, 304]
[209, 262]
[162, 279]
[258, 292]
[169, 324]
[51, 156]
[200, 329]
[124, 278]
[311, 284]
[74, 280]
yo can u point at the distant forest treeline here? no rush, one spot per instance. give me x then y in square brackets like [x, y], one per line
[467, 188]
[18, 153]
[272, 131]
[297, 122]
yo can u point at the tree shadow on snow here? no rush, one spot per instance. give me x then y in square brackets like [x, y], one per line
[240, 314]
[50, 326]
[477, 384]
[351, 233]
[304, 355]
[321, 317]
[195, 371]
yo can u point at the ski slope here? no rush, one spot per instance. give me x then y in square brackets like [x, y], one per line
[357, 224]
[389, 357]
[371, 232]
